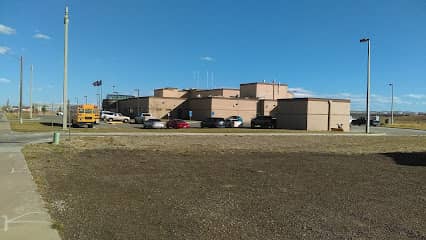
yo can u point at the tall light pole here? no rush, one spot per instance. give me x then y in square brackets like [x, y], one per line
[97, 99]
[31, 91]
[391, 85]
[21, 80]
[116, 101]
[367, 124]
[137, 90]
[85, 99]
[65, 92]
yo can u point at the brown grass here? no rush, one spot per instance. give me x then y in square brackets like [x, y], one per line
[231, 187]
[411, 122]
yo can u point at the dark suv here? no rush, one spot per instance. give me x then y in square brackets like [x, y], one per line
[213, 122]
[264, 122]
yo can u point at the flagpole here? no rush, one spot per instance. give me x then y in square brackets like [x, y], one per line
[101, 95]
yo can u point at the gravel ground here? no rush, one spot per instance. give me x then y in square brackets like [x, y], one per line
[229, 187]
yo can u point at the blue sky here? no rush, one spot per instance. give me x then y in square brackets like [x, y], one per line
[313, 46]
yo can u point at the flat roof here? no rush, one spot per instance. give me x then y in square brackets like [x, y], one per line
[166, 88]
[206, 90]
[263, 83]
[315, 99]
[226, 98]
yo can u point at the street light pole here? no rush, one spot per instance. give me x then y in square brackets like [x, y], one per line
[367, 125]
[137, 90]
[31, 91]
[21, 80]
[391, 85]
[65, 90]
[85, 99]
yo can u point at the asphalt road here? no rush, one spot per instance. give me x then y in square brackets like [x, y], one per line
[389, 131]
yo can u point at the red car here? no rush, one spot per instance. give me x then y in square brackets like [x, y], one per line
[177, 123]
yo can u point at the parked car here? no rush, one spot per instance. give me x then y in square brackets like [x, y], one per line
[213, 122]
[153, 123]
[362, 121]
[374, 123]
[234, 121]
[104, 114]
[263, 122]
[117, 117]
[143, 117]
[177, 123]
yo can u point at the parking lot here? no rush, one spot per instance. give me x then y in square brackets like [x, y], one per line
[53, 123]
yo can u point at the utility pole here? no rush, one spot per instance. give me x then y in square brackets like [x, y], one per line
[21, 80]
[367, 124]
[137, 90]
[31, 91]
[391, 84]
[85, 99]
[65, 92]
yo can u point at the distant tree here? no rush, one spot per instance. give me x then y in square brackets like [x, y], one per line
[44, 109]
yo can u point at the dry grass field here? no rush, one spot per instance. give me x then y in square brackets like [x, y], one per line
[234, 187]
[412, 122]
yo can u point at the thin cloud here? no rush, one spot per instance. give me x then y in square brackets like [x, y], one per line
[4, 80]
[416, 96]
[41, 36]
[6, 30]
[301, 92]
[207, 59]
[4, 50]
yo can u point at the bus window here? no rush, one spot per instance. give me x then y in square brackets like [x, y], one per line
[88, 111]
[80, 110]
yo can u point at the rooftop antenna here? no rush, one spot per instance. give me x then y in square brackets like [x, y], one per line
[212, 77]
[279, 88]
[207, 79]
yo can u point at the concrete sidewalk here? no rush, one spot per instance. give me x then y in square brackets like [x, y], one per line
[22, 211]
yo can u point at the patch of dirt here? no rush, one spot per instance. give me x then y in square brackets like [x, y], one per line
[233, 187]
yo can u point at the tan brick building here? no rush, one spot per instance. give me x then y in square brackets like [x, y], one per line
[313, 114]
[250, 100]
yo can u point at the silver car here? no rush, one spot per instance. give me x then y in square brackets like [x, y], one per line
[154, 123]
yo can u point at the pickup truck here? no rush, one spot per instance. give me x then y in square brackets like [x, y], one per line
[264, 122]
[143, 117]
[116, 117]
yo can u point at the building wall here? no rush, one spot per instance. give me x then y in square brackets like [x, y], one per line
[313, 114]
[292, 114]
[221, 92]
[226, 107]
[170, 92]
[200, 107]
[230, 92]
[203, 108]
[265, 91]
[132, 107]
[159, 107]
[248, 90]
[319, 118]
[267, 108]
